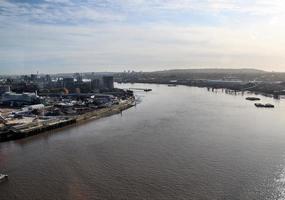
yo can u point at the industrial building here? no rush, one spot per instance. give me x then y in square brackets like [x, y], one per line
[14, 99]
[4, 88]
[108, 82]
[95, 84]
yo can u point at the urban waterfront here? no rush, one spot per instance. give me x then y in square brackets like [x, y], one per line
[177, 143]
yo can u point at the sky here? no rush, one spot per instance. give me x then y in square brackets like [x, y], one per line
[50, 36]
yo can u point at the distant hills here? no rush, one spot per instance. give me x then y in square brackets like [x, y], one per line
[212, 71]
[188, 75]
[249, 71]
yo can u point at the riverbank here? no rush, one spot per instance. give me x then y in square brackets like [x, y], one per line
[36, 127]
[105, 112]
[265, 89]
[255, 81]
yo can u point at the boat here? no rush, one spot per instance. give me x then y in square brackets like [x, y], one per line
[260, 105]
[147, 90]
[268, 105]
[172, 85]
[3, 177]
[252, 99]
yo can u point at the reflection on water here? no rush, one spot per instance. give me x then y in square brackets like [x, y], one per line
[177, 143]
[279, 184]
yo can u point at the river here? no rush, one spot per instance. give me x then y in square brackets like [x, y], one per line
[177, 143]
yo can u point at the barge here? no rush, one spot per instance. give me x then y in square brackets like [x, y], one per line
[260, 105]
[252, 98]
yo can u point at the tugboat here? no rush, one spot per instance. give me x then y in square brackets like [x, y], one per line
[260, 105]
[3, 177]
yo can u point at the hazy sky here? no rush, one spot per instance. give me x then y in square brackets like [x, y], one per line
[105, 35]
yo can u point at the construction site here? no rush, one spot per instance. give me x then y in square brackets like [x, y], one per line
[35, 119]
[58, 103]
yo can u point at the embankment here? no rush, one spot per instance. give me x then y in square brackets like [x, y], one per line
[25, 130]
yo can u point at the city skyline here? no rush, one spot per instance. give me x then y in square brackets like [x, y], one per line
[53, 36]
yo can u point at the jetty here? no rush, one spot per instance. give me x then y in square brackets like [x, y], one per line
[142, 89]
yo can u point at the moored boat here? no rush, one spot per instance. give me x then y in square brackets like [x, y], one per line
[3, 177]
[252, 98]
[260, 105]
[268, 105]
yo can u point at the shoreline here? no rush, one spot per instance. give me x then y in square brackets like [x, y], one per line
[64, 121]
[231, 88]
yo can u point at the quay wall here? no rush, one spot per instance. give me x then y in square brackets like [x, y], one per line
[13, 133]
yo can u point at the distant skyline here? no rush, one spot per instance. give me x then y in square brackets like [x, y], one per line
[53, 36]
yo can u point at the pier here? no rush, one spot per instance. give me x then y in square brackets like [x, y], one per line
[142, 89]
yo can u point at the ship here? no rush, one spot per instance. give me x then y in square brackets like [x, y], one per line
[260, 105]
[252, 98]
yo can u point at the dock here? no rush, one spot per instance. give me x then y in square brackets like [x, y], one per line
[12, 132]
[34, 128]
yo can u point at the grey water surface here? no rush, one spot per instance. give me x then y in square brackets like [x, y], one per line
[177, 143]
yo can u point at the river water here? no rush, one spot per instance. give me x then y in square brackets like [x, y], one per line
[177, 143]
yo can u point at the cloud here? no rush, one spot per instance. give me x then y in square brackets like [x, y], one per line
[59, 1]
[146, 47]
[66, 12]
[100, 35]
[70, 11]
[56, 12]
[258, 7]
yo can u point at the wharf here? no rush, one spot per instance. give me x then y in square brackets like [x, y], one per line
[12, 132]
[34, 128]
[143, 89]
[104, 112]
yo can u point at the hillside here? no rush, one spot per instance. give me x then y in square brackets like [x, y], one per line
[212, 71]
